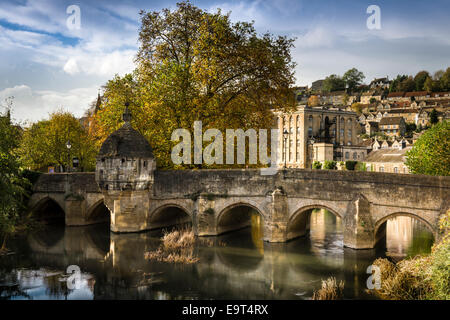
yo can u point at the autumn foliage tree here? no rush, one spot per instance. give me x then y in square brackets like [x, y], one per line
[12, 183]
[431, 152]
[194, 65]
[44, 143]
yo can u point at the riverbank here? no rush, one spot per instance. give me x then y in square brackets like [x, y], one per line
[423, 277]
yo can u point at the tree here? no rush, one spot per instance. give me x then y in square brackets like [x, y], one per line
[313, 101]
[12, 183]
[357, 107]
[44, 143]
[438, 75]
[434, 117]
[333, 83]
[353, 78]
[407, 85]
[432, 85]
[430, 154]
[194, 65]
[420, 78]
[395, 84]
[445, 80]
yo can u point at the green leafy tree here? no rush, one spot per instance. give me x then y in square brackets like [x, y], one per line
[353, 78]
[395, 84]
[434, 117]
[333, 83]
[445, 80]
[430, 154]
[12, 184]
[420, 78]
[432, 85]
[407, 85]
[44, 143]
[195, 65]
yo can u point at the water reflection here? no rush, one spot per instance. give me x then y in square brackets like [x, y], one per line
[406, 236]
[238, 266]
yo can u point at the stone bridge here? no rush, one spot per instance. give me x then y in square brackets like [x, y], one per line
[218, 201]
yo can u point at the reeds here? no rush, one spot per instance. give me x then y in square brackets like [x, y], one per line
[330, 290]
[409, 279]
[177, 247]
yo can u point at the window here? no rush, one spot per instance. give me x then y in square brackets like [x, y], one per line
[354, 155]
[145, 164]
[310, 132]
[347, 155]
[395, 170]
[349, 133]
[381, 169]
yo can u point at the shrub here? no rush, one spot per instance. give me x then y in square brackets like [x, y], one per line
[330, 290]
[330, 165]
[361, 166]
[350, 165]
[317, 165]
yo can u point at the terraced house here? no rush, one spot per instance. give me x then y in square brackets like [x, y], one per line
[393, 126]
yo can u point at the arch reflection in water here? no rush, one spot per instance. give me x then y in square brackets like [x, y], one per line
[405, 236]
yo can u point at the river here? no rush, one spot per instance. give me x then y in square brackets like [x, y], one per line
[237, 265]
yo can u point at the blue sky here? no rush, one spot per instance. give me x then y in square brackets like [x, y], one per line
[46, 66]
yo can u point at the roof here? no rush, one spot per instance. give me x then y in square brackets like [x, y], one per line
[396, 94]
[391, 120]
[126, 142]
[387, 155]
[385, 79]
[417, 94]
[403, 111]
[365, 143]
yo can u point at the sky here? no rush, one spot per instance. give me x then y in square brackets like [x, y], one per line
[48, 65]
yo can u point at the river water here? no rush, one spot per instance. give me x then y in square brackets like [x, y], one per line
[237, 265]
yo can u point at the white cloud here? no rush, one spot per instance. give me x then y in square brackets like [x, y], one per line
[71, 66]
[29, 105]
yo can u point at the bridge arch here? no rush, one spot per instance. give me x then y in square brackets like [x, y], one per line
[380, 225]
[47, 208]
[299, 222]
[239, 215]
[168, 215]
[98, 213]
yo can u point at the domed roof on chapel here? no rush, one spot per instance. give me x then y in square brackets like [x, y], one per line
[126, 142]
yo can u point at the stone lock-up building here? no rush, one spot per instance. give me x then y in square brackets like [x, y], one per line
[125, 173]
[135, 196]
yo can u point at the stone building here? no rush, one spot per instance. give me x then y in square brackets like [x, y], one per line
[371, 127]
[393, 126]
[388, 157]
[408, 114]
[125, 172]
[380, 83]
[316, 134]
